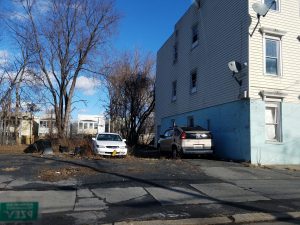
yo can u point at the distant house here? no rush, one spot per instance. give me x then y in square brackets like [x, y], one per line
[47, 125]
[253, 114]
[22, 125]
[90, 124]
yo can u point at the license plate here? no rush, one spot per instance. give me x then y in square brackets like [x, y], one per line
[198, 146]
[114, 153]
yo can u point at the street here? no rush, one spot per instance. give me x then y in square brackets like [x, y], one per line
[72, 190]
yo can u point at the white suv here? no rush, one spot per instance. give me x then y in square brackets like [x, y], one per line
[186, 140]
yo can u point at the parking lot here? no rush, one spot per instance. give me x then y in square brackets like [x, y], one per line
[93, 190]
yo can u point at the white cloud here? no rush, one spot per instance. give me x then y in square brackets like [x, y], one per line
[87, 85]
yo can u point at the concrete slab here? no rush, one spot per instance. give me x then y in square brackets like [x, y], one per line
[4, 179]
[273, 189]
[89, 204]
[115, 195]
[84, 193]
[240, 173]
[178, 196]
[49, 201]
[228, 192]
[87, 217]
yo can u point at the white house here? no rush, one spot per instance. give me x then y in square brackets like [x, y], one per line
[253, 115]
[90, 124]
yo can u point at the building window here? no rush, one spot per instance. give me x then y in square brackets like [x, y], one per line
[80, 125]
[272, 56]
[174, 90]
[273, 121]
[43, 124]
[85, 126]
[190, 121]
[175, 56]
[274, 3]
[193, 82]
[95, 126]
[195, 36]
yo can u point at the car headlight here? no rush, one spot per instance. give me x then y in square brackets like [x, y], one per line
[100, 146]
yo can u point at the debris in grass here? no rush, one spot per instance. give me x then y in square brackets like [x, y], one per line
[53, 175]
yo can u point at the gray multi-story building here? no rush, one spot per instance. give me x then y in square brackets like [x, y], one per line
[254, 114]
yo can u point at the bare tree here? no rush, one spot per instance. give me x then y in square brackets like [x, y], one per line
[131, 95]
[65, 39]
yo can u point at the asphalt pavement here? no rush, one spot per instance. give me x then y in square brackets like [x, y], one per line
[150, 190]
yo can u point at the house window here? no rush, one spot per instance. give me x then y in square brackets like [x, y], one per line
[174, 90]
[272, 57]
[195, 36]
[193, 82]
[85, 126]
[175, 56]
[95, 126]
[43, 124]
[190, 121]
[273, 121]
[173, 123]
[80, 125]
[274, 4]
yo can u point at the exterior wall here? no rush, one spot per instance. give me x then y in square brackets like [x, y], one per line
[285, 152]
[288, 20]
[223, 37]
[229, 124]
[288, 84]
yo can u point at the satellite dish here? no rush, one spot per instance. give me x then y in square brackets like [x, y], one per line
[260, 8]
[234, 66]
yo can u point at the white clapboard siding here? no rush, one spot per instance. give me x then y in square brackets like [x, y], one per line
[223, 37]
[288, 20]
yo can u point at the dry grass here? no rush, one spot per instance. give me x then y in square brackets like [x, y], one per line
[12, 149]
[54, 175]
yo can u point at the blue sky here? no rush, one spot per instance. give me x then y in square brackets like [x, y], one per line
[145, 25]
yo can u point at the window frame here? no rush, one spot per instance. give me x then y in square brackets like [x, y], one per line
[277, 6]
[193, 89]
[277, 105]
[195, 41]
[279, 55]
[174, 91]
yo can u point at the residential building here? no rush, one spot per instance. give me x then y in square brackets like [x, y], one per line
[47, 124]
[253, 114]
[90, 124]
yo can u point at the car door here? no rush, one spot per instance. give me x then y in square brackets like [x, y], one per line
[166, 141]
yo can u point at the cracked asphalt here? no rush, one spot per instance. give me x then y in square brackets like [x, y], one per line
[135, 189]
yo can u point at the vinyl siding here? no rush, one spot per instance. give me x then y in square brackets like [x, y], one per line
[287, 20]
[223, 37]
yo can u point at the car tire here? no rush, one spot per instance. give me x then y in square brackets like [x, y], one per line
[159, 150]
[174, 153]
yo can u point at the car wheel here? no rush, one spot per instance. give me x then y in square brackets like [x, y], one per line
[174, 153]
[159, 150]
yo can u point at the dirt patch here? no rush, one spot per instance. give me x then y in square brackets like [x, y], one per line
[54, 175]
[12, 149]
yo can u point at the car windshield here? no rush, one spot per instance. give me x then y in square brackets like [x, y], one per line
[109, 137]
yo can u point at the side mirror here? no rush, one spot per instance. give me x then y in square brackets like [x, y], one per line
[94, 139]
[124, 140]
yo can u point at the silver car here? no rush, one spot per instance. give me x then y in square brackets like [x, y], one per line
[179, 141]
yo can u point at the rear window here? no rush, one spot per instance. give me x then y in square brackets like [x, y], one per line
[197, 135]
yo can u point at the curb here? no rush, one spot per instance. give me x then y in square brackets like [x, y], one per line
[236, 218]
